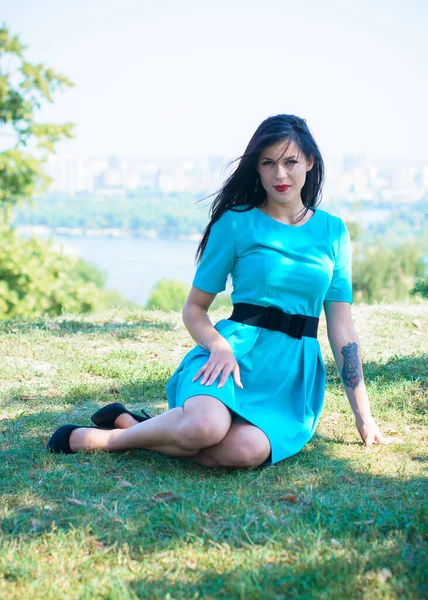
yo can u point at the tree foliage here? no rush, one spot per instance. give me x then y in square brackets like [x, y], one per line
[24, 88]
[135, 214]
[35, 279]
[385, 274]
[420, 288]
[168, 294]
[171, 294]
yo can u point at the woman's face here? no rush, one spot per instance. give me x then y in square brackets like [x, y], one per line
[281, 166]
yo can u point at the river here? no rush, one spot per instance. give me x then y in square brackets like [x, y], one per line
[133, 265]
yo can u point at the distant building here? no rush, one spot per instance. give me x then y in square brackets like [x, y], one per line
[353, 177]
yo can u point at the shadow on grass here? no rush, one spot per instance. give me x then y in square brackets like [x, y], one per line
[395, 369]
[411, 368]
[60, 328]
[152, 383]
[330, 576]
[153, 504]
[315, 466]
[147, 391]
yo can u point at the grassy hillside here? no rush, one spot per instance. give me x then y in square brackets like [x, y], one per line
[335, 521]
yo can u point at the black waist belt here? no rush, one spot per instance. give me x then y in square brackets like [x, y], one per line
[274, 318]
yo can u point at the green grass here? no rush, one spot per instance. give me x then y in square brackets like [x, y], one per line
[141, 525]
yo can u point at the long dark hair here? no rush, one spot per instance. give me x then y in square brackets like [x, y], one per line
[240, 188]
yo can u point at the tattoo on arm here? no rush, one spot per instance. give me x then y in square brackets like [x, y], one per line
[351, 371]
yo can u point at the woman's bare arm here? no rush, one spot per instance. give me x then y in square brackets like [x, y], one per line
[196, 319]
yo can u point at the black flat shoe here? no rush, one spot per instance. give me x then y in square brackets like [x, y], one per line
[106, 416]
[60, 441]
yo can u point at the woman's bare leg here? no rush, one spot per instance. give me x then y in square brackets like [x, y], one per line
[243, 446]
[125, 421]
[202, 421]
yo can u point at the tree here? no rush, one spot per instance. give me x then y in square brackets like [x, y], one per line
[34, 278]
[171, 294]
[356, 230]
[380, 273]
[24, 87]
[168, 294]
[420, 288]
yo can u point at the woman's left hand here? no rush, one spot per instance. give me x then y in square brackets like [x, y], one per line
[370, 432]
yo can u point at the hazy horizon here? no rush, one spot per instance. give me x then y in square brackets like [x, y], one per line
[188, 79]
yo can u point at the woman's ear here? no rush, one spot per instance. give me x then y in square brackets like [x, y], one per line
[310, 163]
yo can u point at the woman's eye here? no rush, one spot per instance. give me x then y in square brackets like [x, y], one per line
[289, 162]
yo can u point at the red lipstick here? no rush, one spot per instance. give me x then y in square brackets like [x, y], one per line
[281, 188]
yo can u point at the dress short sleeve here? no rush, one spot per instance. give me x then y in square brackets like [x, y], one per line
[340, 289]
[219, 256]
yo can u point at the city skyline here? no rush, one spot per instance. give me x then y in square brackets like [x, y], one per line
[353, 177]
[192, 79]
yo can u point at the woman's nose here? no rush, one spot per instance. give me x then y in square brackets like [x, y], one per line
[281, 172]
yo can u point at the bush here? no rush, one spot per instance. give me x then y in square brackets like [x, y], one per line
[168, 294]
[171, 294]
[36, 280]
[420, 288]
[385, 274]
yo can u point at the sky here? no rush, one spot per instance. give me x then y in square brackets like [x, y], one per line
[192, 78]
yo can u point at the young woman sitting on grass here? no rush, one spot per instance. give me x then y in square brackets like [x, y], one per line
[251, 391]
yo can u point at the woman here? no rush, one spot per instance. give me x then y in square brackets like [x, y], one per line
[262, 371]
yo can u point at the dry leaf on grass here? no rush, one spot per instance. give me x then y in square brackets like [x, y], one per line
[115, 391]
[76, 502]
[124, 483]
[289, 498]
[165, 497]
[348, 479]
[393, 440]
[420, 457]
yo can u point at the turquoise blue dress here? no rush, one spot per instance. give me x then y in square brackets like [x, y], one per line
[296, 268]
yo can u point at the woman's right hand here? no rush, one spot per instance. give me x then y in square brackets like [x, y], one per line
[221, 360]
